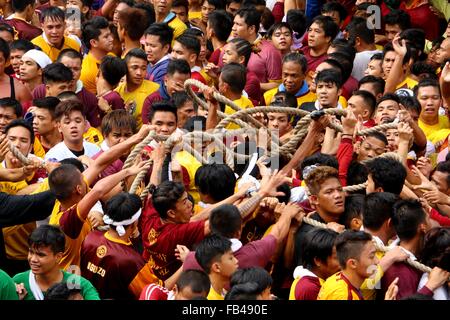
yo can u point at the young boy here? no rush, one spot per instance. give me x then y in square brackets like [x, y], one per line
[362, 103]
[10, 109]
[18, 48]
[319, 263]
[357, 259]
[46, 247]
[31, 68]
[215, 256]
[328, 90]
[45, 125]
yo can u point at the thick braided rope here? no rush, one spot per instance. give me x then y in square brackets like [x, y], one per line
[192, 82]
[145, 192]
[16, 152]
[138, 148]
[140, 176]
[355, 187]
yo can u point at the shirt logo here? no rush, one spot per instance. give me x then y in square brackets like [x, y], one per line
[101, 251]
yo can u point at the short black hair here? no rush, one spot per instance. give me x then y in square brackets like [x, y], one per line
[378, 135]
[134, 21]
[52, 13]
[166, 195]
[354, 205]
[225, 220]
[251, 16]
[113, 69]
[20, 5]
[350, 244]
[335, 6]
[61, 291]
[297, 58]
[318, 158]
[389, 47]
[135, 53]
[178, 65]
[22, 45]
[162, 106]
[368, 98]
[388, 174]
[21, 123]
[436, 248]
[408, 215]
[330, 28]
[179, 98]
[13, 104]
[4, 48]
[197, 280]
[118, 119]
[216, 180]
[210, 250]
[415, 38]
[74, 162]
[193, 123]
[123, 206]
[297, 20]
[357, 173]
[329, 76]
[426, 83]
[56, 73]
[221, 22]
[389, 96]
[377, 83]
[70, 53]
[411, 103]
[190, 42]
[422, 69]
[162, 31]
[247, 283]
[234, 75]
[345, 60]
[92, 29]
[399, 17]
[358, 28]
[48, 235]
[62, 181]
[343, 45]
[378, 208]
[318, 244]
[444, 167]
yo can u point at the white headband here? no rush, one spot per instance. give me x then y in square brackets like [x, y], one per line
[41, 59]
[119, 225]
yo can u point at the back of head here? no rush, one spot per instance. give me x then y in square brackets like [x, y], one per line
[57, 73]
[195, 123]
[61, 291]
[354, 206]
[315, 160]
[318, 244]
[387, 173]
[378, 208]
[377, 83]
[359, 30]
[248, 283]
[350, 244]
[48, 235]
[118, 120]
[113, 69]
[210, 250]
[123, 206]
[297, 20]
[63, 181]
[436, 248]
[134, 21]
[197, 280]
[221, 22]
[166, 195]
[216, 180]
[408, 215]
[225, 220]
[234, 75]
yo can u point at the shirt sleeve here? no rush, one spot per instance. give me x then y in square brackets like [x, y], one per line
[344, 156]
[443, 221]
[88, 291]
[306, 289]
[71, 223]
[190, 263]
[262, 250]
[278, 11]
[273, 64]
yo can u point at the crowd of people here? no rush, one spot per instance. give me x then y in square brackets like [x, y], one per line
[83, 82]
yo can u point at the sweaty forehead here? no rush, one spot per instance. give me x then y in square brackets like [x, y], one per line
[374, 142]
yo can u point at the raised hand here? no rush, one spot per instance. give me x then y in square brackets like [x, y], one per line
[445, 73]
[425, 184]
[405, 132]
[349, 123]
[391, 292]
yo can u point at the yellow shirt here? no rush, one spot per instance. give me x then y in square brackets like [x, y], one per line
[178, 26]
[308, 97]
[337, 288]
[89, 70]
[93, 135]
[194, 15]
[214, 295]
[370, 284]
[16, 237]
[38, 149]
[52, 51]
[243, 103]
[431, 130]
[294, 285]
[408, 83]
[147, 88]
[191, 164]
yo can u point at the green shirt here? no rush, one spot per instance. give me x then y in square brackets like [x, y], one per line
[87, 289]
[7, 287]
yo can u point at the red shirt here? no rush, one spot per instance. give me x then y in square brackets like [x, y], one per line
[344, 156]
[253, 88]
[160, 240]
[24, 29]
[313, 62]
[307, 288]
[154, 292]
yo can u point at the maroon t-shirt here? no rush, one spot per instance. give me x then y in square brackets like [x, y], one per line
[115, 100]
[313, 62]
[147, 105]
[253, 88]
[307, 288]
[160, 240]
[24, 29]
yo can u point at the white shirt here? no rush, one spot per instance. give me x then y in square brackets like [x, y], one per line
[61, 151]
[441, 293]
[361, 62]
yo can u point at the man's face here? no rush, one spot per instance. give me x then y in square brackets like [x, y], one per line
[29, 69]
[367, 262]
[175, 82]
[430, 101]
[7, 115]
[74, 64]
[181, 13]
[137, 68]
[185, 112]
[327, 94]
[240, 29]
[443, 53]
[390, 30]
[280, 122]
[388, 61]
[165, 122]
[386, 111]
[43, 122]
[7, 36]
[120, 7]
[392, 138]
[332, 264]
[183, 209]
[233, 7]
[440, 181]
[162, 7]
[331, 197]
[206, 9]
[358, 106]
[282, 39]
[370, 148]
[228, 264]
[55, 88]
[316, 36]
[293, 76]
[72, 127]
[15, 58]
[154, 49]
[54, 30]
[334, 15]
[42, 259]
[117, 136]
[20, 137]
[105, 40]
[230, 54]
[374, 68]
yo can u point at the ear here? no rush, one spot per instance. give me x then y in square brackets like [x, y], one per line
[357, 146]
[171, 214]
[58, 125]
[241, 59]
[318, 262]
[175, 289]
[59, 256]
[366, 113]
[379, 189]
[339, 92]
[215, 267]
[193, 58]
[93, 43]
[423, 228]
[314, 200]
[351, 264]
[85, 9]
[356, 224]
[166, 48]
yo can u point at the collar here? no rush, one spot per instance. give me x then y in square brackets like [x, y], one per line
[235, 244]
[318, 106]
[79, 86]
[196, 69]
[163, 92]
[300, 272]
[303, 89]
[166, 57]
[257, 40]
[104, 146]
[169, 17]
